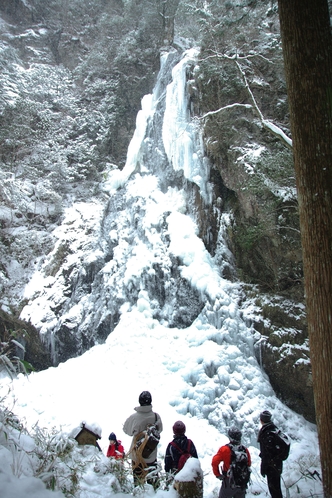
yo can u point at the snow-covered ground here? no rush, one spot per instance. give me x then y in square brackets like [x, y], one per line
[101, 388]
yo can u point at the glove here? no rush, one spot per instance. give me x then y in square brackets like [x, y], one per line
[221, 478]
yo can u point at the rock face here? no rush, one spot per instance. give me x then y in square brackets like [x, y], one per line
[251, 173]
[283, 351]
[28, 336]
[17, 10]
[253, 177]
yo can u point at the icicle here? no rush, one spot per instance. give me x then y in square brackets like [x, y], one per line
[181, 137]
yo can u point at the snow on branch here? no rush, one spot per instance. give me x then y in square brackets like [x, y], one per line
[268, 125]
[230, 106]
[216, 55]
[277, 132]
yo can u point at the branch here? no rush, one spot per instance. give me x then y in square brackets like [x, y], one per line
[266, 124]
[216, 55]
[278, 132]
[230, 106]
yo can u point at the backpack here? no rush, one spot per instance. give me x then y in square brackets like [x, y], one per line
[239, 470]
[281, 445]
[148, 440]
[184, 454]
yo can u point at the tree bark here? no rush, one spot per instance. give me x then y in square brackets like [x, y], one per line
[307, 49]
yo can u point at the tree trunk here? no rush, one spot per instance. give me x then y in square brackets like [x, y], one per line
[307, 49]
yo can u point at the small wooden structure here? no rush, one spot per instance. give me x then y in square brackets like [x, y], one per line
[86, 436]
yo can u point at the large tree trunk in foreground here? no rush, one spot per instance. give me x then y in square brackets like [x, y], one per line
[307, 48]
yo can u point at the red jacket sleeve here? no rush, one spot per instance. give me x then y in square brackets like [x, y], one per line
[222, 455]
[110, 451]
[121, 450]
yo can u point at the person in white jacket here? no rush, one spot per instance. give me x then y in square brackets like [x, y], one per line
[136, 423]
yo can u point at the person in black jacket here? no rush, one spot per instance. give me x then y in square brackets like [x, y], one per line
[271, 465]
[180, 445]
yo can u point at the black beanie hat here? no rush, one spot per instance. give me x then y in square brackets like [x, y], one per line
[234, 435]
[265, 416]
[145, 398]
[112, 437]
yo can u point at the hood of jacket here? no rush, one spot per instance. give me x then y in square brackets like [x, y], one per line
[143, 409]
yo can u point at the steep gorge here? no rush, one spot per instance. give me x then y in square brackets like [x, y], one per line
[250, 169]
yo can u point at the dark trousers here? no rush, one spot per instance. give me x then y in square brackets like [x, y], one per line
[140, 473]
[227, 492]
[273, 481]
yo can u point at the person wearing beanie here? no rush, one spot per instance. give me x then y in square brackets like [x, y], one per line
[115, 448]
[265, 416]
[136, 423]
[224, 455]
[271, 466]
[180, 445]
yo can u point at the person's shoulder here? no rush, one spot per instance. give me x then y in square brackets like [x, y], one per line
[225, 448]
[269, 427]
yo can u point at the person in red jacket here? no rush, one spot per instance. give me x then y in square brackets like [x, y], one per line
[224, 455]
[115, 448]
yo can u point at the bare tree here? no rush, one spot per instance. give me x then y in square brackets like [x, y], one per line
[267, 124]
[307, 48]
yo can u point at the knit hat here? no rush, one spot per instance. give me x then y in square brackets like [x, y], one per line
[112, 437]
[265, 416]
[179, 428]
[145, 398]
[234, 435]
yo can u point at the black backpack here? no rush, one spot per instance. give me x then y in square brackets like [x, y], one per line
[184, 454]
[280, 445]
[148, 440]
[239, 470]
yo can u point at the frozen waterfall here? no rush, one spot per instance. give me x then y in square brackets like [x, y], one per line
[180, 135]
[152, 269]
[140, 285]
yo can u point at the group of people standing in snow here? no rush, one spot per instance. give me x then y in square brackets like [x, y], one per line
[145, 468]
[271, 462]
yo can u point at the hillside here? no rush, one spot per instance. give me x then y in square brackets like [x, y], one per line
[73, 76]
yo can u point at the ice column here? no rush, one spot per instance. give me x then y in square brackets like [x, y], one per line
[149, 102]
[181, 138]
